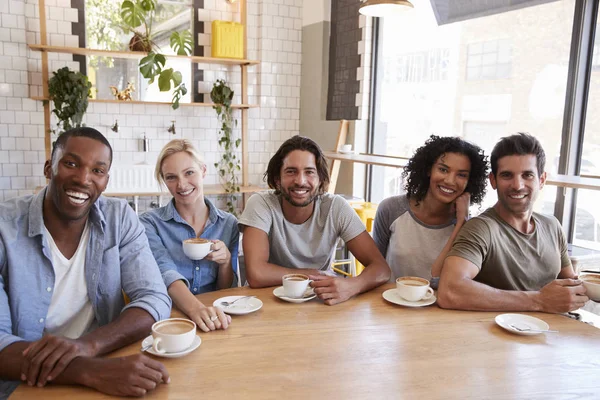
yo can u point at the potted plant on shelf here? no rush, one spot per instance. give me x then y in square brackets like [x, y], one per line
[229, 163]
[69, 91]
[138, 16]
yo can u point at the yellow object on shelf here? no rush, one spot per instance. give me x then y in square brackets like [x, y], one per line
[227, 39]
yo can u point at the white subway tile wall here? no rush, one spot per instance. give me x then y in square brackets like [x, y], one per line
[274, 37]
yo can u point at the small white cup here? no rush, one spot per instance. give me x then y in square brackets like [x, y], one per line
[591, 282]
[295, 285]
[173, 335]
[196, 248]
[346, 148]
[412, 288]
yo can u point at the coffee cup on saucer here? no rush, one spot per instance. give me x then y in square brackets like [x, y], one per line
[412, 288]
[172, 335]
[295, 285]
[591, 282]
[196, 248]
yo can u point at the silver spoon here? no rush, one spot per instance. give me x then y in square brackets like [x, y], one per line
[228, 303]
[532, 330]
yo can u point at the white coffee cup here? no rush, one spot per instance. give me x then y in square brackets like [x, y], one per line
[412, 288]
[591, 282]
[173, 335]
[295, 285]
[196, 248]
[346, 148]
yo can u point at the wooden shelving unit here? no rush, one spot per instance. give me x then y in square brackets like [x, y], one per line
[209, 190]
[136, 55]
[244, 63]
[236, 106]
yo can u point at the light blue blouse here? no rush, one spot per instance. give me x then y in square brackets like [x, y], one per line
[166, 230]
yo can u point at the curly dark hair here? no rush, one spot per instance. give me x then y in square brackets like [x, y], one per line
[272, 175]
[418, 170]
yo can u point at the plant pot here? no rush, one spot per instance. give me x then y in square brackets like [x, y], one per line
[140, 43]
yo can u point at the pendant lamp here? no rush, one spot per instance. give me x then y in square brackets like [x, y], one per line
[383, 8]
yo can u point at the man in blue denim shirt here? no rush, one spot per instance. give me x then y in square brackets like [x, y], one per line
[68, 243]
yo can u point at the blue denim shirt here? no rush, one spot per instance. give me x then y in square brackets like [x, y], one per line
[166, 230]
[117, 259]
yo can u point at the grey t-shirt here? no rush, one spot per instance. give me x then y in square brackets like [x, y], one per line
[409, 246]
[508, 259]
[307, 245]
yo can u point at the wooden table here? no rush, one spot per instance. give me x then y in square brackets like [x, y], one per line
[367, 348]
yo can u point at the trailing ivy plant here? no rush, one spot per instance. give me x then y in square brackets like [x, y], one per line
[229, 163]
[138, 16]
[69, 91]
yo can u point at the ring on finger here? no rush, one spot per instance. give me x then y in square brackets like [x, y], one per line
[214, 318]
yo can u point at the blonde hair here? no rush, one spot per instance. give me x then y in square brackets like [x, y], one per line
[176, 146]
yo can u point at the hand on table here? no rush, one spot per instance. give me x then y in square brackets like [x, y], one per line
[332, 290]
[209, 318]
[48, 357]
[125, 376]
[563, 295]
[220, 253]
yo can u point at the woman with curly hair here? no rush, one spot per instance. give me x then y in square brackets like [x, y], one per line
[415, 231]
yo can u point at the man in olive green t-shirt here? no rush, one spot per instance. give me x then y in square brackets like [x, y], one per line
[510, 258]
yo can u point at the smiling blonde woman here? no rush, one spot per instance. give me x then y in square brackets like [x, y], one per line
[189, 215]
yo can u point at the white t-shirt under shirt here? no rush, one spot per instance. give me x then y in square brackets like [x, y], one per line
[70, 313]
[409, 246]
[307, 245]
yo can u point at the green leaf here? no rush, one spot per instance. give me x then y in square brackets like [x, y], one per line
[177, 78]
[132, 13]
[148, 5]
[164, 80]
[182, 43]
[152, 65]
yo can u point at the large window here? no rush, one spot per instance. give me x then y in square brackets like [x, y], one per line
[103, 31]
[587, 217]
[481, 78]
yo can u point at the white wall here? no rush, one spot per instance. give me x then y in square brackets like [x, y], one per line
[274, 37]
[315, 11]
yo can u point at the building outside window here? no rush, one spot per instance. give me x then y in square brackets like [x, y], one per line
[503, 73]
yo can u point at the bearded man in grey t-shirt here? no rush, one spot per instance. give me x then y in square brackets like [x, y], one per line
[510, 258]
[296, 228]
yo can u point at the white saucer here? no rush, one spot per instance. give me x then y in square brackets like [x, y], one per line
[308, 295]
[522, 321]
[392, 296]
[194, 346]
[347, 152]
[242, 307]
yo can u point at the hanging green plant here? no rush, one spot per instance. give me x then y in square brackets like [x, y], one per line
[138, 16]
[69, 91]
[228, 165]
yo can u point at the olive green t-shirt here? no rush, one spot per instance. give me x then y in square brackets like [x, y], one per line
[508, 259]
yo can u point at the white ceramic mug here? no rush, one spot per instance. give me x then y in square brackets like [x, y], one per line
[173, 335]
[591, 282]
[412, 288]
[346, 148]
[197, 248]
[295, 285]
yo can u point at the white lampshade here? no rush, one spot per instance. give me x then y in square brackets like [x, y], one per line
[383, 8]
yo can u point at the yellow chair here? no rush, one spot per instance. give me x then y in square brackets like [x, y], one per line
[366, 212]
